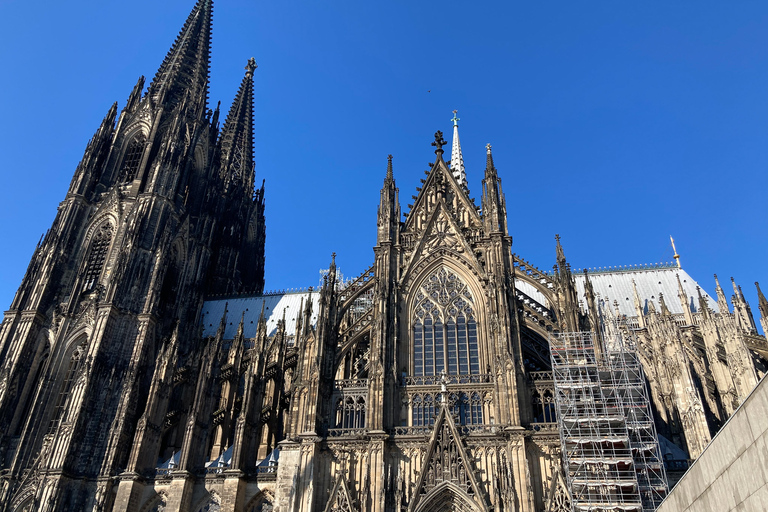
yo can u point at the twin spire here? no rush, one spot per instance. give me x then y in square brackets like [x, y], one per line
[186, 67]
[237, 134]
[183, 78]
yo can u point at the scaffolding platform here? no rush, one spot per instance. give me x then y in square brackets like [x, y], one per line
[611, 453]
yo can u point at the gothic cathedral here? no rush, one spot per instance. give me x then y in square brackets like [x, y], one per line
[144, 369]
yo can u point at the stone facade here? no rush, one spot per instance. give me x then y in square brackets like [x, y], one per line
[423, 384]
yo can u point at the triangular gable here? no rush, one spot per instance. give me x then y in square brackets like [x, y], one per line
[442, 232]
[446, 462]
[340, 499]
[438, 172]
[559, 496]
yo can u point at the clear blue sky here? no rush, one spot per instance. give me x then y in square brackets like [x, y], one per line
[614, 124]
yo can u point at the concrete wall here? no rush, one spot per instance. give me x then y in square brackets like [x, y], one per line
[732, 472]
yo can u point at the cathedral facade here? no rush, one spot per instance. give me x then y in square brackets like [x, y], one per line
[144, 369]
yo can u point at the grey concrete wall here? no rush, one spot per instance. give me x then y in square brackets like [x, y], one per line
[732, 472]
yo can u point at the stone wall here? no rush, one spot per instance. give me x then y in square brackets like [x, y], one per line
[732, 473]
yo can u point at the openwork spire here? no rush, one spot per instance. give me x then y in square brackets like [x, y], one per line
[457, 160]
[489, 167]
[185, 68]
[237, 134]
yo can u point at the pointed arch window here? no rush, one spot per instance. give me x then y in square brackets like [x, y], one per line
[70, 378]
[444, 329]
[97, 256]
[132, 158]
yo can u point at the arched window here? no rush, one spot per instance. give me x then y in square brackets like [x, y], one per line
[444, 328]
[97, 255]
[350, 412]
[70, 376]
[132, 158]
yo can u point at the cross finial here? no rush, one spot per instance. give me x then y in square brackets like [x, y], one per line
[439, 142]
[488, 148]
[455, 119]
[251, 66]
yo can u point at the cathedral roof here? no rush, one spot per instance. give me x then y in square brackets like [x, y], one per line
[650, 280]
[616, 284]
[250, 307]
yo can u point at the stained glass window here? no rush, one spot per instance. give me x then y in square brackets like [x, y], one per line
[445, 329]
[132, 158]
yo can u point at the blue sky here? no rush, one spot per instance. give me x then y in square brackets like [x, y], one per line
[614, 124]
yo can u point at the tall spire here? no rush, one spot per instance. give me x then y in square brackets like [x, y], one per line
[237, 134]
[185, 67]
[457, 160]
[390, 175]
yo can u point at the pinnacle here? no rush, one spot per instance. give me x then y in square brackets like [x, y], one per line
[390, 176]
[488, 158]
[237, 134]
[185, 67]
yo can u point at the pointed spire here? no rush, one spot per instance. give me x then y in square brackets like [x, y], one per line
[390, 175]
[237, 134]
[241, 326]
[763, 304]
[722, 302]
[663, 306]
[638, 306]
[489, 159]
[457, 160]
[135, 96]
[559, 252]
[185, 67]
[703, 305]
[684, 301]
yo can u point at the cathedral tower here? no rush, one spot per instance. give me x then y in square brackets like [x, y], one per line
[160, 210]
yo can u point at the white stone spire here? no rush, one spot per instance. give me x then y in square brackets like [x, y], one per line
[457, 161]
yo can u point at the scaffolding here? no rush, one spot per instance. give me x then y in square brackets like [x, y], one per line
[610, 449]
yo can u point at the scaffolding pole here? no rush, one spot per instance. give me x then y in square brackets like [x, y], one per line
[609, 444]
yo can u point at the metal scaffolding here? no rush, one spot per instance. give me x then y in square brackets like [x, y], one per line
[610, 449]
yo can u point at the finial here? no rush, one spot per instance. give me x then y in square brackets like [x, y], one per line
[676, 256]
[389, 167]
[439, 142]
[455, 119]
[488, 148]
[251, 66]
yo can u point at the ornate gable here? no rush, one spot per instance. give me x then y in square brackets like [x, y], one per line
[340, 499]
[558, 498]
[441, 185]
[446, 467]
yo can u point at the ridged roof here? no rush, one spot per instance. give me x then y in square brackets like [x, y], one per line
[274, 305]
[650, 282]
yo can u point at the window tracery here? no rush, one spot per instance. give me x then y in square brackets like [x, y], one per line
[444, 328]
[466, 408]
[350, 412]
[132, 158]
[70, 377]
[97, 256]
